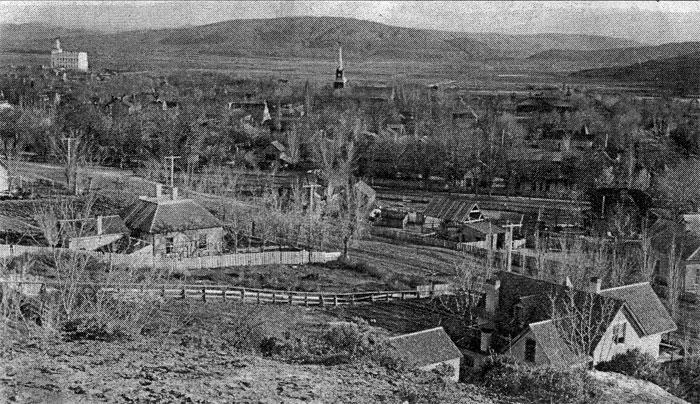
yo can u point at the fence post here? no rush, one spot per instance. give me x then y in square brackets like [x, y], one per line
[306, 299]
[162, 292]
[403, 295]
[274, 300]
[184, 295]
[204, 294]
[352, 299]
[224, 292]
[335, 300]
[371, 298]
[291, 298]
[258, 296]
[243, 295]
[321, 298]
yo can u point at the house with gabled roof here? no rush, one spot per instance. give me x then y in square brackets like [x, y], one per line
[174, 226]
[532, 320]
[443, 210]
[427, 349]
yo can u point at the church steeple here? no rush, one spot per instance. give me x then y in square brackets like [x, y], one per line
[340, 79]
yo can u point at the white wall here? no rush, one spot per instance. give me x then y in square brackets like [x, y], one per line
[4, 180]
[607, 348]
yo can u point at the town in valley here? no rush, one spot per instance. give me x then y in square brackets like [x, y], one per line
[340, 202]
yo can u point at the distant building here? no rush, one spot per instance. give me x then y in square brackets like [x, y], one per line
[61, 59]
[174, 226]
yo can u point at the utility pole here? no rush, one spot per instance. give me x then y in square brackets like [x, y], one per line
[69, 170]
[172, 169]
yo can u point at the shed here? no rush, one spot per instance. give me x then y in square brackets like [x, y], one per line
[368, 193]
[442, 210]
[393, 218]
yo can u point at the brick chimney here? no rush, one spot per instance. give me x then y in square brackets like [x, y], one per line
[595, 285]
[100, 229]
[492, 288]
[159, 190]
[175, 192]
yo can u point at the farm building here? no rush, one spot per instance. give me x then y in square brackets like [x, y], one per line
[276, 153]
[491, 235]
[393, 218]
[4, 178]
[528, 318]
[444, 210]
[427, 349]
[174, 226]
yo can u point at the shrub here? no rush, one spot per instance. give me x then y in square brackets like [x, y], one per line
[538, 384]
[635, 363]
[92, 329]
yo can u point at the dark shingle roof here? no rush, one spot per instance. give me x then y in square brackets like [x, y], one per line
[645, 306]
[553, 345]
[450, 209]
[486, 227]
[426, 347]
[150, 215]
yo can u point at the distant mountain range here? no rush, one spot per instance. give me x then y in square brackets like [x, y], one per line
[620, 56]
[677, 74]
[303, 37]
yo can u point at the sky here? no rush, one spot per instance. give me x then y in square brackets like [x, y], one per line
[647, 21]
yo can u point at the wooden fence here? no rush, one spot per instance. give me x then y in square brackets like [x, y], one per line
[208, 262]
[138, 292]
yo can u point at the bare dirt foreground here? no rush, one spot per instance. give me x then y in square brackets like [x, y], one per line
[206, 358]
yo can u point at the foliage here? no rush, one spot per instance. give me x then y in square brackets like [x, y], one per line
[635, 363]
[538, 384]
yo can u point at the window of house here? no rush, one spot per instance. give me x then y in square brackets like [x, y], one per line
[619, 333]
[202, 242]
[530, 345]
[169, 245]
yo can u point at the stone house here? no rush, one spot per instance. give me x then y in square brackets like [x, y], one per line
[427, 349]
[518, 318]
[174, 226]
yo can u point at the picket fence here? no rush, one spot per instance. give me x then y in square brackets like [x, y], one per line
[203, 262]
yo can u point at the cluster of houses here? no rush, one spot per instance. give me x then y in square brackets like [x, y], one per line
[544, 323]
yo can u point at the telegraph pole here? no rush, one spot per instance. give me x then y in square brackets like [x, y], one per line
[172, 169]
[69, 170]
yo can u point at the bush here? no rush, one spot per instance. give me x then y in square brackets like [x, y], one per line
[538, 384]
[92, 329]
[635, 363]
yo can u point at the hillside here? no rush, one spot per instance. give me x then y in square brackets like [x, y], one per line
[620, 56]
[677, 75]
[294, 37]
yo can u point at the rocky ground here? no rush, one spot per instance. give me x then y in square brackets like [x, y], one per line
[138, 372]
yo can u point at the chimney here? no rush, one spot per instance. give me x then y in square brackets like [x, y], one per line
[174, 193]
[595, 285]
[486, 334]
[491, 299]
[159, 190]
[99, 226]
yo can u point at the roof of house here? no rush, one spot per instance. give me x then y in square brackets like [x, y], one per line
[157, 216]
[553, 345]
[425, 347]
[279, 146]
[110, 225]
[450, 208]
[645, 306]
[393, 214]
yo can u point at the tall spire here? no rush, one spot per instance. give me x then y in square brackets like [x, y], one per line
[340, 56]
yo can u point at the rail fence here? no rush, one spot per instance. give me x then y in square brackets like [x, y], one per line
[138, 292]
[203, 262]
